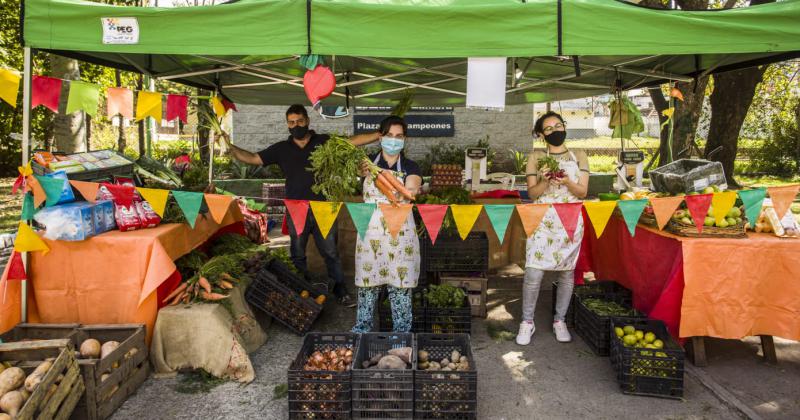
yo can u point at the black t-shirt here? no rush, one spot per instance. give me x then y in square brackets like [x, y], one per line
[294, 162]
[408, 166]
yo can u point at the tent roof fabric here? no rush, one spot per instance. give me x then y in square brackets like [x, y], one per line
[379, 48]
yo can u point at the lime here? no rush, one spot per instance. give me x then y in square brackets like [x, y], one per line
[722, 223]
[649, 346]
[649, 337]
[687, 221]
[619, 332]
[629, 340]
[708, 190]
[658, 344]
[661, 354]
[639, 334]
[731, 221]
[628, 329]
[709, 221]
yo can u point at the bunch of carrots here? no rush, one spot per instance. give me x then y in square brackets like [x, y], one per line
[212, 281]
[386, 182]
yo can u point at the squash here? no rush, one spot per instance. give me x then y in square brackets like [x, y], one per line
[107, 348]
[11, 379]
[11, 403]
[4, 416]
[90, 349]
[34, 379]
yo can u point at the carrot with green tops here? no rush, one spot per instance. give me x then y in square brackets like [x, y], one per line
[178, 298]
[203, 282]
[212, 296]
[181, 287]
[386, 189]
[396, 184]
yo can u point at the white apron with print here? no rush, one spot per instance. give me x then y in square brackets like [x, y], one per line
[550, 248]
[381, 259]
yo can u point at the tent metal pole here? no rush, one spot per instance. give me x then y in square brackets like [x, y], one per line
[26, 142]
[423, 86]
[282, 81]
[167, 76]
[428, 70]
[389, 76]
[416, 85]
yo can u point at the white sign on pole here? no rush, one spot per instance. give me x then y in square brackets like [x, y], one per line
[120, 30]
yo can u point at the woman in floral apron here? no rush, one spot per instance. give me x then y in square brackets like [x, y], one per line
[549, 249]
[380, 259]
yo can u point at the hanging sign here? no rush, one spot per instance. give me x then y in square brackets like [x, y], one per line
[120, 30]
[441, 125]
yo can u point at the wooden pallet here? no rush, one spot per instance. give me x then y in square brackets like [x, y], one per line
[33, 332]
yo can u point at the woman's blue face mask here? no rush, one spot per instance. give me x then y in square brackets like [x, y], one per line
[391, 145]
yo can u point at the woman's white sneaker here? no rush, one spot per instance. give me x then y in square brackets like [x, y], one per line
[526, 329]
[561, 332]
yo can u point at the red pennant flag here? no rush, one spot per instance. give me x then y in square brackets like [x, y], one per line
[123, 194]
[45, 91]
[19, 183]
[298, 211]
[569, 214]
[698, 207]
[16, 269]
[229, 105]
[432, 217]
[176, 107]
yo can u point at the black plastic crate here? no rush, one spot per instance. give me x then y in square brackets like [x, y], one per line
[283, 302]
[451, 253]
[385, 323]
[383, 393]
[608, 289]
[595, 329]
[295, 280]
[448, 320]
[320, 394]
[648, 372]
[445, 395]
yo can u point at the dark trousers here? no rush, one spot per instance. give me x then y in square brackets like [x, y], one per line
[326, 246]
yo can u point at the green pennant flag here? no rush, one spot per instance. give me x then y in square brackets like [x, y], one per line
[190, 203]
[631, 211]
[83, 96]
[52, 188]
[499, 215]
[752, 200]
[28, 208]
[361, 213]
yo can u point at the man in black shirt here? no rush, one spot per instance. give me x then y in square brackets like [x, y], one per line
[292, 155]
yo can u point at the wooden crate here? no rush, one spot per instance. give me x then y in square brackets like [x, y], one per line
[476, 290]
[44, 403]
[104, 397]
[32, 332]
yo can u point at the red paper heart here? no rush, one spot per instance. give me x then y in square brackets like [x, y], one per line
[319, 83]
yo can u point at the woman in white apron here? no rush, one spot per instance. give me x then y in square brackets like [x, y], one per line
[380, 259]
[549, 249]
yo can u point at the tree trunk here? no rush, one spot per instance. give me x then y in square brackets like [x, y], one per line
[687, 116]
[660, 104]
[121, 141]
[68, 129]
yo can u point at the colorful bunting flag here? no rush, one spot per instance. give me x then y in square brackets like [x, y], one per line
[123, 194]
[119, 101]
[361, 213]
[698, 207]
[631, 211]
[499, 216]
[229, 105]
[176, 107]
[395, 216]
[599, 212]
[83, 97]
[190, 203]
[569, 213]
[9, 86]
[28, 208]
[24, 171]
[219, 108]
[782, 198]
[664, 208]
[148, 104]
[432, 217]
[28, 241]
[16, 269]
[722, 203]
[158, 199]
[298, 211]
[218, 205]
[52, 188]
[325, 213]
[87, 189]
[45, 91]
[465, 216]
[753, 200]
[39, 195]
[531, 216]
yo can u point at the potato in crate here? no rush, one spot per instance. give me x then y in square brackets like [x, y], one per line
[446, 378]
[383, 376]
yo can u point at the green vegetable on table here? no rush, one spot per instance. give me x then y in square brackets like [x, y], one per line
[336, 165]
[445, 296]
[607, 308]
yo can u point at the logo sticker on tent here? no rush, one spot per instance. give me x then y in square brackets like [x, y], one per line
[120, 30]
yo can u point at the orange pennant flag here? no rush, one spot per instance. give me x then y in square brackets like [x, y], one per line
[531, 215]
[782, 198]
[39, 195]
[119, 100]
[218, 205]
[395, 216]
[87, 189]
[664, 208]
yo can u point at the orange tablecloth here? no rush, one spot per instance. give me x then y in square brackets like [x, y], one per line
[110, 278]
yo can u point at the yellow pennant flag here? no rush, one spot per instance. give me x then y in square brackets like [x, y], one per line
[531, 215]
[599, 212]
[219, 108]
[9, 86]
[465, 216]
[148, 104]
[325, 213]
[664, 208]
[218, 205]
[28, 241]
[395, 216]
[25, 170]
[722, 203]
[157, 199]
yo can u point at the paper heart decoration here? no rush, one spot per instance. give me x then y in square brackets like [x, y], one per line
[319, 84]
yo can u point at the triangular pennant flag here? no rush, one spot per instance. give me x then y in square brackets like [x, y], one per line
[432, 217]
[395, 216]
[569, 214]
[176, 107]
[87, 189]
[28, 208]
[52, 188]
[599, 212]
[361, 213]
[9, 86]
[325, 213]
[218, 205]
[119, 101]
[123, 194]
[752, 200]
[45, 91]
[499, 216]
[722, 203]
[782, 198]
[298, 211]
[698, 208]
[190, 203]
[83, 97]
[18, 183]
[219, 108]
[158, 199]
[39, 195]
[28, 241]
[631, 211]
[664, 208]
[531, 216]
[24, 171]
[148, 104]
[465, 216]
[16, 269]
[229, 105]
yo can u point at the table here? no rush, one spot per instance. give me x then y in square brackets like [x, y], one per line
[703, 287]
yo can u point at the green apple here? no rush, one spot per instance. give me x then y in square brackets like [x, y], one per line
[709, 221]
[687, 221]
[722, 223]
[731, 221]
[708, 190]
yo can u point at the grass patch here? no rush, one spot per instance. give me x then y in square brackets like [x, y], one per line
[280, 391]
[499, 333]
[197, 381]
[10, 206]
